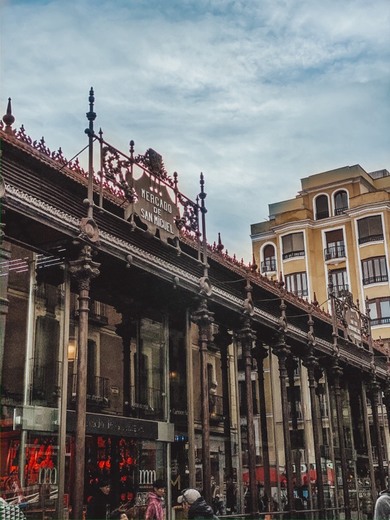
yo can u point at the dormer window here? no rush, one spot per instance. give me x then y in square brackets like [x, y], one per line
[269, 259]
[322, 207]
[340, 202]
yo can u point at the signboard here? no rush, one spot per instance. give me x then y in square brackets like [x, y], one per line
[113, 425]
[352, 319]
[154, 207]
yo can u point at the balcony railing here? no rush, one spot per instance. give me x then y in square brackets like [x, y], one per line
[322, 214]
[97, 391]
[336, 251]
[371, 238]
[340, 211]
[375, 279]
[340, 291]
[381, 321]
[292, 254]
[268, 265]
[146, 399]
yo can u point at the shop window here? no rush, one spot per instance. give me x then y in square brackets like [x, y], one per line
[269, 259]
[370, 229]
[293, 245]
[379, 311]
[340, 202]
[296, 283]
[322, 207]
[374, 270]
[335, 246]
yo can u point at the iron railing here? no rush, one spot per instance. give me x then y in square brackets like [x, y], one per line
[336, 251]
[269, 264]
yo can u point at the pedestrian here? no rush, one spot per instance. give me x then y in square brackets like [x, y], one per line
[382, 506]
[155, 509]
[195, 505]
[99, 506]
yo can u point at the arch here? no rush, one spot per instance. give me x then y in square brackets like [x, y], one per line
[268, 258]
[340, 201]
[321, 206]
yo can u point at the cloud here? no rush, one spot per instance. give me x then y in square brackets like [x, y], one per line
[255, 94]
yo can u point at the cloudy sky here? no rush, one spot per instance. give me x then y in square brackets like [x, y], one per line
[256, 94]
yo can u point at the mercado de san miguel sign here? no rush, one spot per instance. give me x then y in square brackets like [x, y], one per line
[154, 207]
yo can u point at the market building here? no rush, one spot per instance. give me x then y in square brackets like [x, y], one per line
[131, 349]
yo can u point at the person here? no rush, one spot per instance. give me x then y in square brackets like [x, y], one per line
[382, 506]
[100, 504]
[195, 505]
[231, 495]
[155, 509]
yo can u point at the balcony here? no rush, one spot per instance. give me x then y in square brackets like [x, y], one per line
[97, 392]
[371, 238]
[146, 401]
[379, 278]
[334, 252]
[341, 291]
[340, 211]
[293, 254]
[269, 265]
[381, 321]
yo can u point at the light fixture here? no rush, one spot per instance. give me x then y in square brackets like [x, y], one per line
[72, 347]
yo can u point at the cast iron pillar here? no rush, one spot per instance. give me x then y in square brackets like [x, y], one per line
[222, 340]
[374, 389]
[247, 336]
[337, 372]
[84, 269]
[261, 353]
[203, 319]
[282, 351]
[387, 399]
[311, 363]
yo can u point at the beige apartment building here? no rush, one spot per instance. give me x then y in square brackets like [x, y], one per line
[336, 229]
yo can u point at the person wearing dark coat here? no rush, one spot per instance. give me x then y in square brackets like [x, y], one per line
[100, 504]
[196, 506]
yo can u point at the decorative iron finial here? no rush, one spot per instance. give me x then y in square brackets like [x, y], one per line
[8, 118]
[220, 246]
[315, 302]
[253, 266]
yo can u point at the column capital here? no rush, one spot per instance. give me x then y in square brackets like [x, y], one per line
[202, 316]
[84, 269]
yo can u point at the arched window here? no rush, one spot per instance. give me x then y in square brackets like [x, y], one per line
[269, 259]
[322, 207]
[340, 202]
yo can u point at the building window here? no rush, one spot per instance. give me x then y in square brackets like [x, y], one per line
[379, 311]
[335, 247]
[293, 245]
[340, 202]
[296, 283]
[374, 270]
[370, 229]
[269, 259]
[339, 280]
[322, 207]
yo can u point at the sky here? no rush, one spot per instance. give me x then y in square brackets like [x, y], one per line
[256, 94]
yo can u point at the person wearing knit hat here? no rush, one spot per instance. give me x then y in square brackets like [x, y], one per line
[195, 504]
[155, 509]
